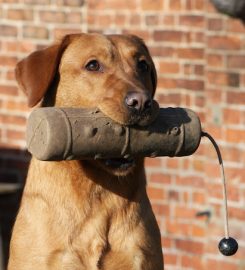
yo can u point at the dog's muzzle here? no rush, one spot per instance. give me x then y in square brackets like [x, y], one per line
[141, 107]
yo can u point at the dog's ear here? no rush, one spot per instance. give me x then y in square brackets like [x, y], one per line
[153, 68]
[36, 72]
[153, 72]
[154, 78]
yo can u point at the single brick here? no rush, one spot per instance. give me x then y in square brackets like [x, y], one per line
[217, 78]
[152, 20]
[235, 97]
[236, 61]
[215, 60]
[8, 30]
[235, 135]
[35, 32]
[15, 135]
[8, 90]
[71, 3]
[190, 53]
[234, 79]
[197, 85]
[20, 14]
[9, 61]
[169, 67]
[170, 259]
[224, 42]
[156, 193]
[151, 5]
[189, 246]
[215, 24]
[168, 36]
[175, 5]
[192, 262]
[52, 16]
[38, 2]
[194, 21]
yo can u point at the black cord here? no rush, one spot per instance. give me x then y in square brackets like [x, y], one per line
[226, 225]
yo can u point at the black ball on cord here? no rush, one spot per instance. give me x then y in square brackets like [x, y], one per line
[228, 246]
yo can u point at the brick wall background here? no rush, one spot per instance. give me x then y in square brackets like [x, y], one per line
[200, 58]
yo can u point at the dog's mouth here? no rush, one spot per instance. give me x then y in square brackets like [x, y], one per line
[119, 163]
[119, 166]
[129, 116]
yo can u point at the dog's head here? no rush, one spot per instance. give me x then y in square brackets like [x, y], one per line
[114, 73]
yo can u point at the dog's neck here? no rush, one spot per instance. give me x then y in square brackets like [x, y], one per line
[82, 177]
[123, 186]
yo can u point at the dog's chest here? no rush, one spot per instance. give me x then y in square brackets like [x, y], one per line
[103, 243]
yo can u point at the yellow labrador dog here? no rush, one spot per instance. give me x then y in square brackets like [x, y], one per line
[88, 214]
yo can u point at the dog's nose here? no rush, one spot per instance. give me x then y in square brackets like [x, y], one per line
[138, 101]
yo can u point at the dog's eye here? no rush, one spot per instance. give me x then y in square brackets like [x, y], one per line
[143, 66]
[93, 65]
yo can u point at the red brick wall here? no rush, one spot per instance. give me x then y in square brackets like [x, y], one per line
[200, 58]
